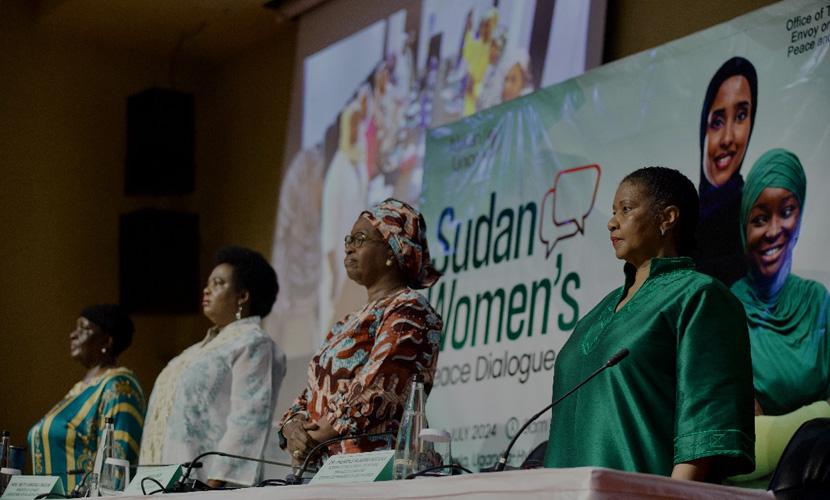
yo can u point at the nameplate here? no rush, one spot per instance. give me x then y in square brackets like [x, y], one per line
[28, 487]
[356, 468]
[166, 475]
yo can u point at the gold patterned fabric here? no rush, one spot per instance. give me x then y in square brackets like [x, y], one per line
[66, 438]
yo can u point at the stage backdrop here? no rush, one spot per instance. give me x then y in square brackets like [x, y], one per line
[517, 200]
[360, 110]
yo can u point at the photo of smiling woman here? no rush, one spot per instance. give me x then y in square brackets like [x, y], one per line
[680, 404]
[358, 379]
[788, 316]
[726, 122]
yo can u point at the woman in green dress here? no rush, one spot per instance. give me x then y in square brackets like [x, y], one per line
[680, 404]
[787, 315]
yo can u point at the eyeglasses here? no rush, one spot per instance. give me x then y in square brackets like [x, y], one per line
[357, 240]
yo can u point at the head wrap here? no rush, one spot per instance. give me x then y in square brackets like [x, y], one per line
[114, 321]
[784, 313]
[405, 230]
[777, 168]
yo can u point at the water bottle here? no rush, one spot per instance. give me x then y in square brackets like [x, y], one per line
[105, 451]
[5, 475]
[5, 442]
[408, 445]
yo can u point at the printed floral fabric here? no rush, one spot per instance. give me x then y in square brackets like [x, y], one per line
[358, 379]
[217, 395]
[66, 438]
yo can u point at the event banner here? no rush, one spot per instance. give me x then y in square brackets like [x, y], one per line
[367, 102]
[517, 200]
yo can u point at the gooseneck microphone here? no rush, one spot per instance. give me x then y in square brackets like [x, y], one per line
[183, 486]
[613, 360]
[298, 478]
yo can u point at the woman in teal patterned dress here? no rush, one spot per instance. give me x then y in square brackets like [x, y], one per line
[65, 440]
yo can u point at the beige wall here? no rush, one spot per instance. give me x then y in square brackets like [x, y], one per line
[241, 127]
[636, 25]
[62, 144]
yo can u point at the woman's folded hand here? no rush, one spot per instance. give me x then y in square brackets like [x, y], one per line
[299, 442]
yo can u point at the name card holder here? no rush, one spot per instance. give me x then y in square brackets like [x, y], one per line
[356, 468]
[166, 475]
[28, 487]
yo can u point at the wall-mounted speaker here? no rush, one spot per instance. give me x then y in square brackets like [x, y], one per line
[159, 262]
[160, 143]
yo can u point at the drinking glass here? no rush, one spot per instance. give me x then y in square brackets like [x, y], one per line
[437, 451]
[115, 476]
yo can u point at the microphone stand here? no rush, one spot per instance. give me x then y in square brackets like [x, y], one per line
[453, 469]
[80, 489]
[181, 485]
[616, 358]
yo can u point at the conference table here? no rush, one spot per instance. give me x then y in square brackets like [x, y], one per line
[577, 483]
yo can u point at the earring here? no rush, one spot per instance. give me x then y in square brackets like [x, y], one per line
[239, 312]
[662, 232]
[103, 350]
[388, 262]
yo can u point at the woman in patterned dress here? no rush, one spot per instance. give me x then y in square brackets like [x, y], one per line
[219, 394]
[65, 440]
[357, 380]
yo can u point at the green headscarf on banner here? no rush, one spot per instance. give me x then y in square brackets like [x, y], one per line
[777, 168]
[788, 317]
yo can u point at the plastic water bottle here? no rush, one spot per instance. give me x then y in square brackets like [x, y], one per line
[408, 445]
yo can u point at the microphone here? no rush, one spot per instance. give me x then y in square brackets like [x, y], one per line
[196, 485]
[196, 465]
[613, 360]
[298, 478]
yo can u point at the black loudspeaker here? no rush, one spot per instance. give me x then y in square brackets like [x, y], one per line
[159, 262]
[160, 143]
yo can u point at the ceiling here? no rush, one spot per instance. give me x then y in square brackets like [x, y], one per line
[205, 30]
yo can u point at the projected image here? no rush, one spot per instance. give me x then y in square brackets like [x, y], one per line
[368, 100]
[476, 55]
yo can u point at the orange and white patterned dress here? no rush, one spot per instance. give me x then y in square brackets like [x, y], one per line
[358, 379]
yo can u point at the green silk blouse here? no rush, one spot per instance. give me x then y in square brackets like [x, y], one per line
[685, 391]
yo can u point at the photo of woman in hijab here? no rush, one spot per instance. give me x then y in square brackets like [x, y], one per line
[787, 315]
[726, 122]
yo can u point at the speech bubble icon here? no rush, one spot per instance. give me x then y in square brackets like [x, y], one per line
[571, 199]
